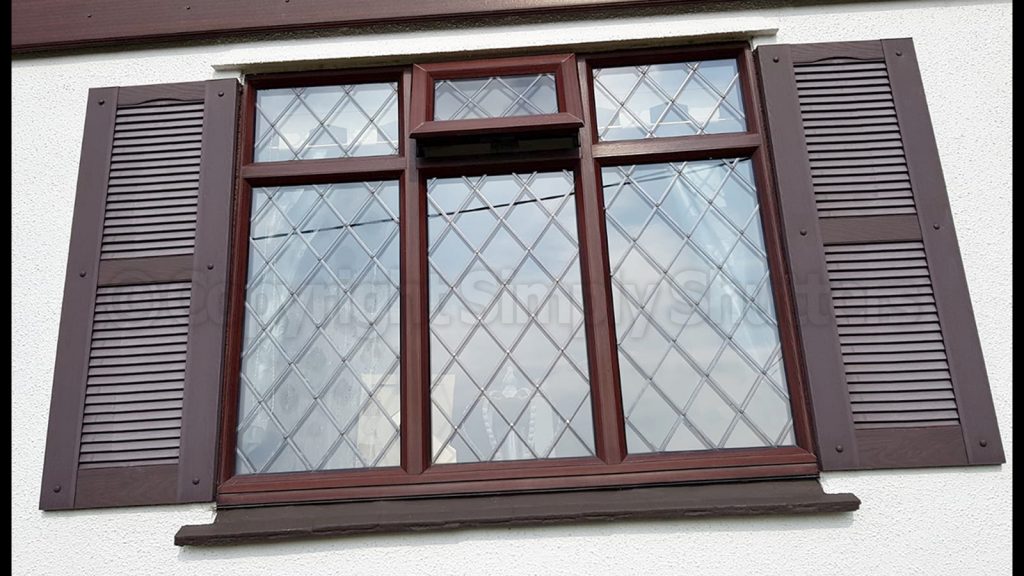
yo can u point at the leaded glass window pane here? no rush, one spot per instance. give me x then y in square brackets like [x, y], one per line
[326, 122]
[700, 362]
[509, 375]
[320, 377]
[495, 97]
[676, 99]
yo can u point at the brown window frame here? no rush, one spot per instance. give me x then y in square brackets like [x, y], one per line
[563, 66]
[611, 466]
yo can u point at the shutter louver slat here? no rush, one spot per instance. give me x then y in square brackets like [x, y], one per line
[890, 371]
[128, 231]
[857, 181]
[135, 354]
[137, 379]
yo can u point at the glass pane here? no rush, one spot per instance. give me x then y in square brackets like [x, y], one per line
[699, 356]
[509, 377]
[320, 380]
[326, 122]
[495, 97]
[677, 99]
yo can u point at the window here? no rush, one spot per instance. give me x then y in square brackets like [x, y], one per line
[527, 94]
[503, 375]
[552, 272]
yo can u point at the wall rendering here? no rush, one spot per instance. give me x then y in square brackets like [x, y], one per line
[951, 521]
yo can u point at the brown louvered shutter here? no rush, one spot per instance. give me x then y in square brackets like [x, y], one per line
[893, 359]
[133, 412]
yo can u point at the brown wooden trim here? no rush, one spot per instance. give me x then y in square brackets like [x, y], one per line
[526, 161]
[539, 64]
[599, 317]
[247, 125]
[201, 403]
[782, 290]
[949, 281]
[734, 456]
[239, 262]
[569, 87]
[747, 72]
[499, 471]
[911, 447]
[321, 171]
[62, 24]
[677, 148]
[67, 398]
[563, 66]
[133, 95]
[561, 122]
[895, 228]
[422, 97]
[127, 486]
[826, 381]
[125, 271]
[520, 484]
[662, 502]
[324, 77]
[415, 306]
[666, 55]
[861, 50]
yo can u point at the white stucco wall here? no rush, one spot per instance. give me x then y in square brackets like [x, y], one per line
[935, 522]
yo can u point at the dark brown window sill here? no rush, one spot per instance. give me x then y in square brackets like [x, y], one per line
[241, 525]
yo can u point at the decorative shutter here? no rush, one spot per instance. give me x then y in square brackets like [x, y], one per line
[893, 359]
[135, 402]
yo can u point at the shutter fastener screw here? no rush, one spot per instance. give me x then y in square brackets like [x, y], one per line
[775, 58]
[209, 266]
[102, 102]
[983, 443]
[56, 488]
[803, 232]
[899, 53]
[839, 447]
[936, 226]
[220, 94]
[82, 273]
[195, 480]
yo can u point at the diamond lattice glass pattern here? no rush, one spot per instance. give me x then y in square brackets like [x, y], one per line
[320, 381]
[677, 99]
[495, 97]
[326, 122]
[509, 377]
[699, 356]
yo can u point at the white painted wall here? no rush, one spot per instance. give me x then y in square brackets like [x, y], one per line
[953, 521]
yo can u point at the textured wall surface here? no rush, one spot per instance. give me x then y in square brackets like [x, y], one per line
[935, 522]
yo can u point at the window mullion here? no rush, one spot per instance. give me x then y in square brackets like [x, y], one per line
[609, 426]
[415, 351]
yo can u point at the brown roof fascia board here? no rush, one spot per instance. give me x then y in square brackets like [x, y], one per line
[38, 25]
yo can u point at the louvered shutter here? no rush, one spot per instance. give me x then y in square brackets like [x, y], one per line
[893, 359]
[133, 413]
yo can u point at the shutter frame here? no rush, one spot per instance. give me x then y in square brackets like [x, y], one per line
[841, 445]
[60, 465]
[70, 479]
[949, 280]
[208, 305]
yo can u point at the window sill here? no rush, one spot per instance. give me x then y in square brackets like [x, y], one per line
[242, 525]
